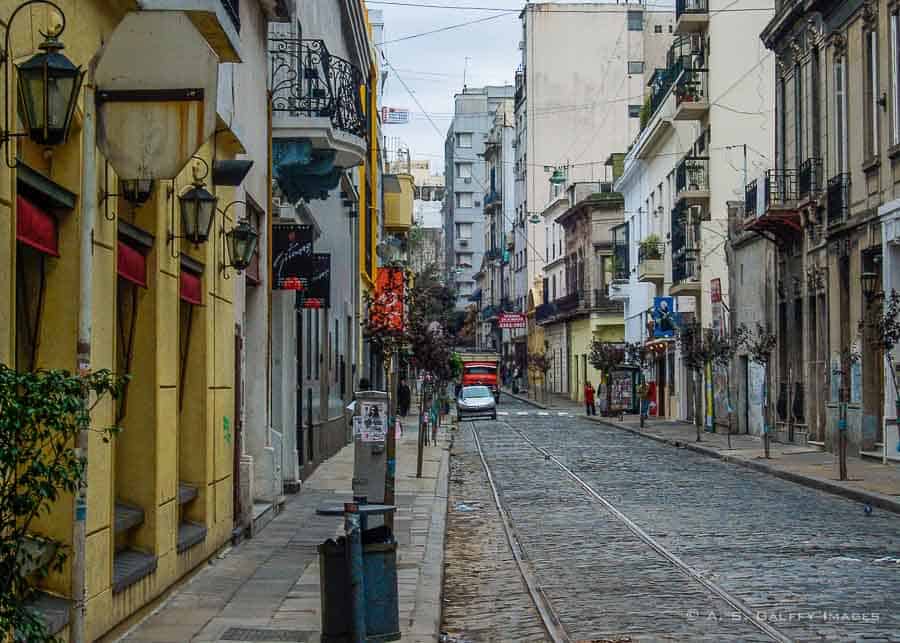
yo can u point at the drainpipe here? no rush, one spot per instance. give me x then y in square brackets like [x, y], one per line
[85, 311]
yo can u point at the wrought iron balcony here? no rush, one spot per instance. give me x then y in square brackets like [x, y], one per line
[809, 179]
[567, 303]
[603, 304]
[308, 80]
[838, 199]
[781, 188]
[692, 95]
[692, 178]
[750, 198]
[686, 267]
[545, 312]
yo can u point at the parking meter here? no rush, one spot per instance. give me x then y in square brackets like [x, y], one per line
[369, 424]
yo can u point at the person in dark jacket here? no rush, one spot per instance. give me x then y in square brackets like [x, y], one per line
[404, 397]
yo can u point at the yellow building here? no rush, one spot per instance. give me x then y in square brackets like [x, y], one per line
[159, 494]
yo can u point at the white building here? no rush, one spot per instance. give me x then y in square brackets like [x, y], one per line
[704, 135]
[579, 91]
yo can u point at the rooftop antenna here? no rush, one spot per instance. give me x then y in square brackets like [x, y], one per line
[465, 72]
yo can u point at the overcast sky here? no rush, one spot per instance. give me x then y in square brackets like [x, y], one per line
[432, 66]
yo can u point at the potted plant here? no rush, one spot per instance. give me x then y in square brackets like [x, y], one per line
[650, 247]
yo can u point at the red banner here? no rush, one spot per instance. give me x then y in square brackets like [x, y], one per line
[512, 320]
[387, 309]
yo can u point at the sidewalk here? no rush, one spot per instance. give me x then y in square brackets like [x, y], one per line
[868, 481]
[267, 588]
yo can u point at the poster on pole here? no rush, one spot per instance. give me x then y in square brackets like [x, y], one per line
[292, 248]
[372, 424]
[664, 317]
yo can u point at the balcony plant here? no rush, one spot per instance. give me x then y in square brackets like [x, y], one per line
[650, 247]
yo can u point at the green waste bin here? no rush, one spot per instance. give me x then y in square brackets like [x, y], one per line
[380, 574]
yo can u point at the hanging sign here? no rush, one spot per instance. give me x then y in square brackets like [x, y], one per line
[387, 309]
[394, 116]
[292, 249]
[512, 320]
[316, 280]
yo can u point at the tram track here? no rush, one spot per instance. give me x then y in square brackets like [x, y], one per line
[554, 617]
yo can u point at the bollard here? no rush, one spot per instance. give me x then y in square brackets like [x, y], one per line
[357, 579]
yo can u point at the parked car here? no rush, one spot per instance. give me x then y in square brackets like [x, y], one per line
[476, 401]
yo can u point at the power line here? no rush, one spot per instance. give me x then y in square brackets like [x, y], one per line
[440, 30]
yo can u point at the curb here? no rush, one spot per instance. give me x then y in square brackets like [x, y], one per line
[873, 498]
[516, 396]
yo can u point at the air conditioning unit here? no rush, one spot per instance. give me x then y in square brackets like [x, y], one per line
[464, 242]
[467, 180]
[478, 204]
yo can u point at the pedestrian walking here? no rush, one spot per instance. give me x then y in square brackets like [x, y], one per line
[589, 407]
[404, 397]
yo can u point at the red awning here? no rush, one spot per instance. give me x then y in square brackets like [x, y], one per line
[132, 264]
[191, 289]
[36, 228]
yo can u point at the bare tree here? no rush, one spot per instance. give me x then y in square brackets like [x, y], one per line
[761, 343]
[640, 356]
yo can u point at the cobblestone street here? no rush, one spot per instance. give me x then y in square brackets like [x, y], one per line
[805, 565]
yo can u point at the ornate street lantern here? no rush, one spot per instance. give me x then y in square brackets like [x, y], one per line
[136, 191]
[869, 285]
[48, 91]
[48, 86]
[241, 243]
[198, 207]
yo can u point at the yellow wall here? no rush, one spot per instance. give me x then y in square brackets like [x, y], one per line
[581, 332]
[159, 445]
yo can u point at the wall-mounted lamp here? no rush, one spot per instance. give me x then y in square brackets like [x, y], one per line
[869, 285]
[48, 87]
[240, 242]
[198, 207]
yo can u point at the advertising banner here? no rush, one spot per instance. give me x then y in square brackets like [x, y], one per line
[512, 320]
[316, 291]
[292, 249]
[387, 309]
[665, 319]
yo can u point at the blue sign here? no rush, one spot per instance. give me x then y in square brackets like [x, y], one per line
[665, 319]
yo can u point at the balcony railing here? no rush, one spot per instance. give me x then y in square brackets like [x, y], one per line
[649, 251]
[692, 86]
[809, 180]
[603, 304]
[690, 6]
[308, 80]
[781, 188]
[660, 83]
[838, 198]
[567, 303]
[686, 266]
[692, 174]
[750, 197]
[621, 269]
[544, 312]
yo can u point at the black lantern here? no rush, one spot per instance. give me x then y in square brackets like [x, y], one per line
[241, 241]
[48, 91]
[136, 191]
[869, 285]
[198, 207]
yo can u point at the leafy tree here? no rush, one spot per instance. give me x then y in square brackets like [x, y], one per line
[41, 414]
[606, 357]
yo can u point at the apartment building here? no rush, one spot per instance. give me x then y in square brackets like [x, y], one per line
[578, 98]
[466, 183]
[701, 134]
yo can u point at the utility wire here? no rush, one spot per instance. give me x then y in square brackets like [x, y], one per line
[440, 30]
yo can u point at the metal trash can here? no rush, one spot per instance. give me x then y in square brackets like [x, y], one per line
[380, 578]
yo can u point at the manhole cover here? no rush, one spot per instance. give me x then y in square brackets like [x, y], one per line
[245, 634]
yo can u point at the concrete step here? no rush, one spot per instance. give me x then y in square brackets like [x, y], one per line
[190, 534]
[128, 517]
[130, 566]
[186, 493]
